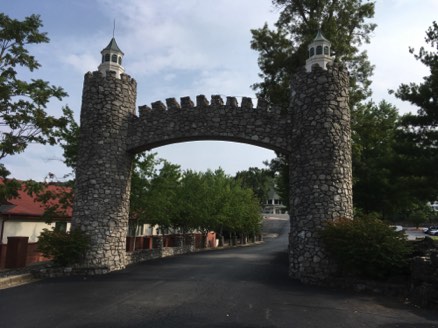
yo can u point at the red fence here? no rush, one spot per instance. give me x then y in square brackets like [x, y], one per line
[16, 258]
[19, 253]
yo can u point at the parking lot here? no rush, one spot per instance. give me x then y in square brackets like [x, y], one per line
[414, 233]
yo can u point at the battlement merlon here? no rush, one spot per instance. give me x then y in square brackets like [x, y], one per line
[97, 76]
[332, 69]
[202, 103]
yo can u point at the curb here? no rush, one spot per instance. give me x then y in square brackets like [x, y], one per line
[12, 281]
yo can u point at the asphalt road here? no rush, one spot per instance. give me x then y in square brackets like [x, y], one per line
[240, 287]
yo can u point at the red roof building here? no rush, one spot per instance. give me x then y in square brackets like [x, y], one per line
[24, 217]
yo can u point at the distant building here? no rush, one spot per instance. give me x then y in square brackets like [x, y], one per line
[274, 204]
[434, 206]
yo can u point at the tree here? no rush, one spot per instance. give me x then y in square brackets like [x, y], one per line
[258, 180]
[189, 201]
[144, 169]
[215, 201]
[280, 169]
[203, 200]
[418, 136]
[23, 116]
[243, 216]
[374, 129]
[22, 103]
[159, 199]
[283, 51]
[68, 137]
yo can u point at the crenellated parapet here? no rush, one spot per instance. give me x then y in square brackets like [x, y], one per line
[202, 102]
[209, 119]
[98, 77]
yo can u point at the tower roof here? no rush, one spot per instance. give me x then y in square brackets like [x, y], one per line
[320, 37]
[112, 46]
[112, 58]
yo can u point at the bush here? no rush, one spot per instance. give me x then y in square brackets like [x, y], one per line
[65, 248]
[367, 247]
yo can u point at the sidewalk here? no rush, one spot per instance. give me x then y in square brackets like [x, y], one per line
[18, 276]
[16, 280]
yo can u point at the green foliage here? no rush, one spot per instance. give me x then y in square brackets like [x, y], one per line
[418, 133]
[243, 214]
[373, 155]
[142, 173]
[23, 116]
[214, 201]
[260, 181]
[280, 168]
[65, 248]
[8, 188]
[160, 207]
[420, 213]
[68, 137]
[162, 195]
[57, 200]
[366, 247]
[22, 103]
[284, 49]
[424, 95]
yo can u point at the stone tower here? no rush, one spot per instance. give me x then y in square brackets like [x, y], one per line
[103, 172]
[320, 166]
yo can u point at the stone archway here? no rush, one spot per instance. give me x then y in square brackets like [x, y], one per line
[314, 133]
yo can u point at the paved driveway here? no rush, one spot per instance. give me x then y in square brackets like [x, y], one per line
[241, 287]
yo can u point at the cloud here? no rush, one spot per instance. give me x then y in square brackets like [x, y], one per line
[81, 62]
[189, 34]
[36, 162]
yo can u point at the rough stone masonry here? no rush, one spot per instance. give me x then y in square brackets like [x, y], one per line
[314, 133]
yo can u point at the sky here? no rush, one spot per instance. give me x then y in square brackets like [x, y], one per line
[177, 48]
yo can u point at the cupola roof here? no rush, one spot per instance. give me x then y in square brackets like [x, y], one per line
[112, 46]
[112, 58]
[320, 37]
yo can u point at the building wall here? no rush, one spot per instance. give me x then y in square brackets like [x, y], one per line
[31, 229]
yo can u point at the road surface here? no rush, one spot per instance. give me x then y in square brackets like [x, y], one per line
[239, 287]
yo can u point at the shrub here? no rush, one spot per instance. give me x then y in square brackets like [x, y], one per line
[65, 248]
[367, 247]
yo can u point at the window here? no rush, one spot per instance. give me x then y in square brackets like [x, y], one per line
[61, 226]
[114, 58]
[312, 52]
[319, 50]
[120, 60]
[107, 57]
[326, 50]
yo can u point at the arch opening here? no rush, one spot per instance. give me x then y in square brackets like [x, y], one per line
[206, 154]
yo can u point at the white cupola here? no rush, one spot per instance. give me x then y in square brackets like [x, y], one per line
[319, 52]
[112, 59]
